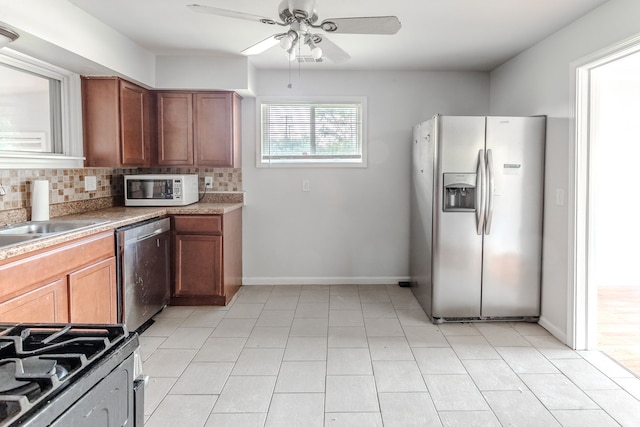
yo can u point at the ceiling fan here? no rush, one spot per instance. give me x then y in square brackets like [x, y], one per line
[301, 18]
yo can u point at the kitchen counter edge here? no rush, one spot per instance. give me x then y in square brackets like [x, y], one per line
[112, 218]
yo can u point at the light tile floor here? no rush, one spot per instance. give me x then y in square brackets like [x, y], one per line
[308, 356]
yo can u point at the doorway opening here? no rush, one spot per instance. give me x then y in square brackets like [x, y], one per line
[607, 280]
[614, 206]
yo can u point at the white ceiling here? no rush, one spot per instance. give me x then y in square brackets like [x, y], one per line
[435, 34]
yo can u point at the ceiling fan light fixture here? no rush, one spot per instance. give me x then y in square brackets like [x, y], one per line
[316, 52]
[285, 42]
[7, 36]
[289, 40]
[311, 41]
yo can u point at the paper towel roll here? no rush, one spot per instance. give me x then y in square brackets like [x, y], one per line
[40, 200]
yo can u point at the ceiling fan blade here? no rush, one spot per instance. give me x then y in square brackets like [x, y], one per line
[362, 25]
[260, 47]
[229, 13]
[332, 51]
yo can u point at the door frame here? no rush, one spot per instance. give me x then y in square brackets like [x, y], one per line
[582, 299]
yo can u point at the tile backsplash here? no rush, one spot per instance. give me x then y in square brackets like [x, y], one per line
[67, 190]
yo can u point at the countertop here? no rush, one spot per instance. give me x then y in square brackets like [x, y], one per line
[112, 218]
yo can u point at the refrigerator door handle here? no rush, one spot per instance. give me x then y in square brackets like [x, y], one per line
[490, 191]
[480, 193]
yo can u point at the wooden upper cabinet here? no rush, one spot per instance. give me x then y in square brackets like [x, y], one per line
[175, 129]
[116, 122]
[217, 129]
[199, 129]
[134, 124]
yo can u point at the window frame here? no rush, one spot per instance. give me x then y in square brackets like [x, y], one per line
[70, 117]
[313, 162]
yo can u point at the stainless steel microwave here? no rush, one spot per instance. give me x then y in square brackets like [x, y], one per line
[160, 190]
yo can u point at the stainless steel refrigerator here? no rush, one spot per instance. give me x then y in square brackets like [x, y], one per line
[476, 217]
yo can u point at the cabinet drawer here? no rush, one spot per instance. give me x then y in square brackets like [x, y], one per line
[197, 224]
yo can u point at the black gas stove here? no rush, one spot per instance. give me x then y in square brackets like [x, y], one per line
[67, 375]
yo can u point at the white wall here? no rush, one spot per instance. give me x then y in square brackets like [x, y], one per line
[61, 34]
[538, 81]
[206, 72]
[352, 227]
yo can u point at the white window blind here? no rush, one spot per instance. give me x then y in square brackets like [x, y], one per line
[311, 132]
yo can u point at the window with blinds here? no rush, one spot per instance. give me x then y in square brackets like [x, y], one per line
[312, 132]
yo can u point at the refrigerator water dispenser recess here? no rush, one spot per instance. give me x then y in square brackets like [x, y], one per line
[459, 192]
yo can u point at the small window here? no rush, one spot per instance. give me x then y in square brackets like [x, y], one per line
[40, 121]
[324, 132]
[29, 114]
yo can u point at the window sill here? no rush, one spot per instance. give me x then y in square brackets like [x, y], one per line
[310, 164]
[42, 161]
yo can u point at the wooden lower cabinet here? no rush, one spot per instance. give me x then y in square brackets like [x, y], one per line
[70, 282]
[92, 293]
[46, 304]
[207, 258]
[198, 264]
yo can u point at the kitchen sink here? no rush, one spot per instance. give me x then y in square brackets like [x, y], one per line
[23, 232]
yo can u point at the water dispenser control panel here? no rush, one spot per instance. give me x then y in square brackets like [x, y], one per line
[459, 192]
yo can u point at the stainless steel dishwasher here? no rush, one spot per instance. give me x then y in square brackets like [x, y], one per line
[143, 270]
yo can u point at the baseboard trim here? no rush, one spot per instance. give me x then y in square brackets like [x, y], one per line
[553, 330]
[249, 281]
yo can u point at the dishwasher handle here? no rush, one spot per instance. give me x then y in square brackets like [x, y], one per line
[150, 235]
[141, 231]
[134, 239]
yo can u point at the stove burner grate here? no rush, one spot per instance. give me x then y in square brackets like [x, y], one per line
[37, 361]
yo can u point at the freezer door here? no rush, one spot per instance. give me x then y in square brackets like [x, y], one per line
[457, 246]
[513, 235]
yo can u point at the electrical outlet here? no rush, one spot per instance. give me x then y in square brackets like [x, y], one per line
[305, 185]
[208, 182]
[90, 183]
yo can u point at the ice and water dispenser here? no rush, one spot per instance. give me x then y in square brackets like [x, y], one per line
[459, 192]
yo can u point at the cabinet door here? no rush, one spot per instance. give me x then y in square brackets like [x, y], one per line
[100, 121]
[92, 293]
[116, 123]
[214, 129]
[175, 129]
[198, 265]
[46, 304]
[134, 125]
